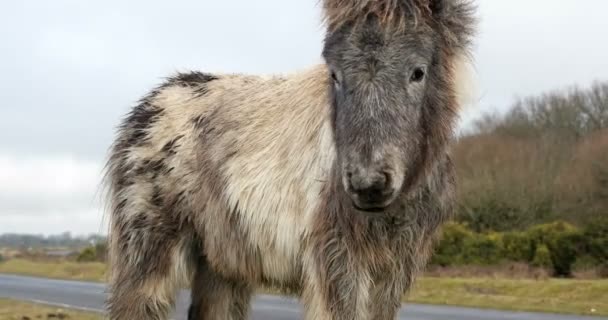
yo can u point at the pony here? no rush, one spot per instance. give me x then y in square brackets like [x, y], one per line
[330, 183]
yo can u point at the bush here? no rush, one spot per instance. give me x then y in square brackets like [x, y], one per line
[596, 238]
[558, 247]
[564, 242]
[87, 255]
[461, 246]
[550, 233]
[454, 238]
[567, 248]
[542, 258]
[518, 247]
[482, 249]
[98, 252]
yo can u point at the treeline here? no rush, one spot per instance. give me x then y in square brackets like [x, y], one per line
[65, 240]
[544, 160]
[559, 247]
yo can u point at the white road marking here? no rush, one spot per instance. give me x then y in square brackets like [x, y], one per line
[66, 306]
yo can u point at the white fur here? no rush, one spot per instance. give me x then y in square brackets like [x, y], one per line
[465, 81]
[276, 184]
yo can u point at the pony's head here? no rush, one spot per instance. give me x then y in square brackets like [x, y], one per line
[394, 73]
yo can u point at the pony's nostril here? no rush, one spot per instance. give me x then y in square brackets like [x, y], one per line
[388, 180]
[370, 192]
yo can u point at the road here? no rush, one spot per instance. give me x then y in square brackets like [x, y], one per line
[90, 296]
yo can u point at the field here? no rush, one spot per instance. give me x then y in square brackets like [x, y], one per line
[584, 297]
[14, 310]
[588, 297]
[89, 271]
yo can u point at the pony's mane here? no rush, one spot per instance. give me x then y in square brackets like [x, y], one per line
[390, 12]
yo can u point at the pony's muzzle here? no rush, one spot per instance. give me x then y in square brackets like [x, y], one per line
[370, 190]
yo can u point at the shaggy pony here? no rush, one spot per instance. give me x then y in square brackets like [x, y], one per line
[330, 183]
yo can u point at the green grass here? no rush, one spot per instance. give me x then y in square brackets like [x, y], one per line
[89, 271]
[583, 297]
[15, 310]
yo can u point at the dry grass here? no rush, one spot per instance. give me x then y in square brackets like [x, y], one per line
[589, 273]
[515, 271]
[14, 310]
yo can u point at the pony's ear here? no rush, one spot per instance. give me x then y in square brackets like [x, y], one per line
[457, 21]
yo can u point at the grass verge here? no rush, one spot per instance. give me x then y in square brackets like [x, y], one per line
[582, 297]
[68, 270]
[15, 310]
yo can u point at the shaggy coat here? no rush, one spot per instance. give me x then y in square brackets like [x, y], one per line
[229, 182]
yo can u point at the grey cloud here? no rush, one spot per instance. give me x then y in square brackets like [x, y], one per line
[70, 68]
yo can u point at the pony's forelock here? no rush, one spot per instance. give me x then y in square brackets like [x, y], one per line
[390, 12]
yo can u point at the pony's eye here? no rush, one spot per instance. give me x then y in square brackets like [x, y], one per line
[334, 77]
[417, 75]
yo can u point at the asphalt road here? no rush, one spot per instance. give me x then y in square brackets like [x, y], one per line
[90, 296]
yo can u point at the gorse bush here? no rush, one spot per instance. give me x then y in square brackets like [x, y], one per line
[450, 251]
[517, 246]
[542, 257]
[558, 247]
[461, 246]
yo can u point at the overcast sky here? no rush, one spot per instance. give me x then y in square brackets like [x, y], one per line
[69, 69]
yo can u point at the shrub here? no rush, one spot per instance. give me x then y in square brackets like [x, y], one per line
[97, 252]
[542, 257]
[558, 247]
[88, 254]
[568, 247]
[596, 238]
[461, 246]
[482, 249]
[452, 243]
[549, 233]
[564, 242]
[518, 246]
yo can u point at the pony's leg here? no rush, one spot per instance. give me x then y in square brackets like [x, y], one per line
[351, 298]
[385, 299]
[343, 299]
[216, 298]
[147, 267]
[335, 286]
